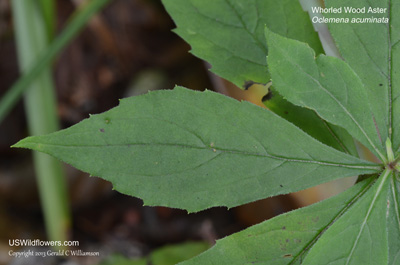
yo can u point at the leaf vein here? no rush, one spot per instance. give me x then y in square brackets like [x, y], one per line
[233, 54]
[364, 223]
[396, 206]
[258, 42]
[368, 54]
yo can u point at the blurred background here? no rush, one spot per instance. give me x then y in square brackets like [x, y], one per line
[125, 50]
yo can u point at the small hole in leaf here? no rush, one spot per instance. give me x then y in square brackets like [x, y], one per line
[101, 130]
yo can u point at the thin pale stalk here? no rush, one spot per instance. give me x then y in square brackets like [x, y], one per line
[323, 32]
[40, 105]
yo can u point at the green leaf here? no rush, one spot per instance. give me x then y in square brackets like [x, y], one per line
[285, 239]
[229, 34]
[311, 123]
[374, 54]
[239, 53]
[360, 236]
[194, 150]
[325, 84]
[359, 226]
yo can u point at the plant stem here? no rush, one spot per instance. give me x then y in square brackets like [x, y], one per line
[40, 105]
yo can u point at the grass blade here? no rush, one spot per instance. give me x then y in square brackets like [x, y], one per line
[76, 23]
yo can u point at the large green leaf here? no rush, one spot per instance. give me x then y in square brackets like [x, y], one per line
[325, 84]
[374, 54]
[196, 150]
[229, 34]
[359, 226]
[285, 239]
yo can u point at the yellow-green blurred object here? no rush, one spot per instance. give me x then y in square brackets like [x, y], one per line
[168, 255]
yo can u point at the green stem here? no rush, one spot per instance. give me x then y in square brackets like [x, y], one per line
[40, 105]
[42, 61]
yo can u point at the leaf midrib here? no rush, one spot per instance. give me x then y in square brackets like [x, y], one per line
[258, 42]
[384, 178]
[222, 150]
[332, 133]
[336, 217]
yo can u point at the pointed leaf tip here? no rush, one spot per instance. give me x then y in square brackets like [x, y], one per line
[24, 143]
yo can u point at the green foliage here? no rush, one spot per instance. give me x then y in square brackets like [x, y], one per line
[194, 150]
[309, 121]
[211, 138]
[325, 84]
[240, 55]
[285, 239]
[361, 232]
[230, 34]
[373, 54]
